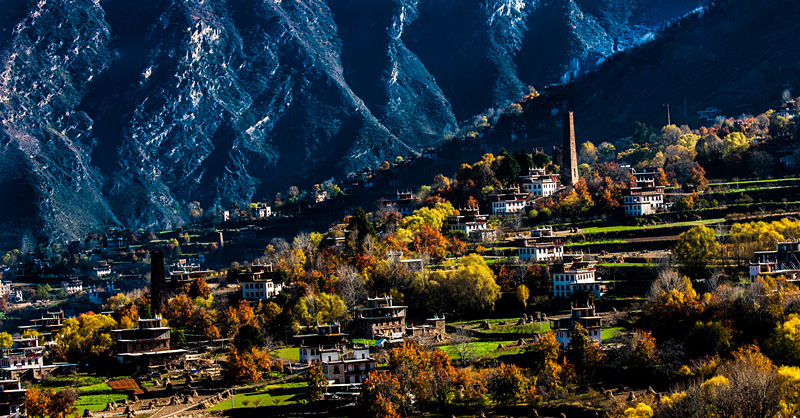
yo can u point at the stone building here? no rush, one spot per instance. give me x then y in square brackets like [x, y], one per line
[380, 318]
[147, 346]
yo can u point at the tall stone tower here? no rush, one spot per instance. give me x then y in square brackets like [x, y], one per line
[569, 168]
[158, 282]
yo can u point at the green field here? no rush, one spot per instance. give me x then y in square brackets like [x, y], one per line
[283, 394]
[751, 182]
[291, 353]
[601, 229]
[476, 349]
[611, 332]
[97, 402]
[510, 326]
[364, 341]
[97, 387]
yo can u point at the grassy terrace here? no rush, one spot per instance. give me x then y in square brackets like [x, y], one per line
[602, 229]
[734, 183]
[600, 242]
[97, 402]
[509, 327]
[291, 353]
[283, 394]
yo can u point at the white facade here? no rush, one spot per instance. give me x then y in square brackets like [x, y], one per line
[262, 289]
[543, 185]
[570, 281]
[647, 203]
[541, 252]
[468, 227]
[503, 207]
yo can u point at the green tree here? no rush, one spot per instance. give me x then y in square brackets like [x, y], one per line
[696, 249]
[507, 169]
[248, 336]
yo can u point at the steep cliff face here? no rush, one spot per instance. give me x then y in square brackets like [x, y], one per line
[119, 112]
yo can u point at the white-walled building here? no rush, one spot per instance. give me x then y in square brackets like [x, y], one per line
[646, 198]
[538, 183]
[257, 284]
[585, 316]
[575, 274]
[783, 261]
[507, 201]
[542, 250]
[467, 221]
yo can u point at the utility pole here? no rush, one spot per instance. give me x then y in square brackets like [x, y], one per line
[669, 121]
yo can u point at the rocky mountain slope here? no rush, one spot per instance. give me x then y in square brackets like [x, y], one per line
[118, 113]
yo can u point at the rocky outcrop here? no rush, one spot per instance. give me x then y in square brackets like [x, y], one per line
[120, 113]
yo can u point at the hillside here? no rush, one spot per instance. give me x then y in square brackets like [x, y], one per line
[120, 113]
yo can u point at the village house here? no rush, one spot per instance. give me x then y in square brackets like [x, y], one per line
[319, 346]
[507, 201]
[115, 240]
[12, 399]
[74, 286]
[646, 198]
[783, 261]
[258, 284]
[380, 318]
[574, 274]
[24, 360]
[404, 203]
[248, 233]
[102, 269]
[430, 328]
[538, 183]
[411, 264]
[262, 210]
[100, 294]
[542, 248]
[186, 270]
[583, 315]
[348, 365]
[146, 347]
[467, 221]
[48, 325]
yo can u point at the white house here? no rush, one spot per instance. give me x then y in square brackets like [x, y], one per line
[584, 315]
[576, 275]
[538, 183]
[638, 202]
[260, 289]
[646, 198]
[547, 251]
[467, 221]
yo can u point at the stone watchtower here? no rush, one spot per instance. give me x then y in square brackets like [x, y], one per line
[569, 168]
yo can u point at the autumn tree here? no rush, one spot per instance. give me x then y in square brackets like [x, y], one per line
[198, 288]
[522, 295]
[246, 365]
[6, 340]
[643, 349]
[508, 385]
[381, 395]
[317, 383]
[471, 286]
[431, 242]
[696, 249]
[784, 344]
[583, 352]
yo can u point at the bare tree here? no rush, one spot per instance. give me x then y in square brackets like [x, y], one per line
[350, 286]
[464, 350]
[667, 280]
